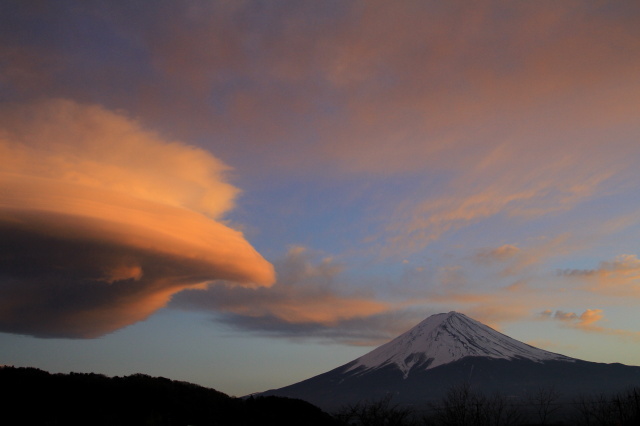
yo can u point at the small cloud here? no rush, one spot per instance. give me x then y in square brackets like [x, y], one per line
[619, 277]
[517, 286]
[565, 316]
[588, 321]
[545, 314]
[514, 260]
[499, 254]
[590, 316]
[584, 320]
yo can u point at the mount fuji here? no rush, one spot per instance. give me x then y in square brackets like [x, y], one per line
[449, 349]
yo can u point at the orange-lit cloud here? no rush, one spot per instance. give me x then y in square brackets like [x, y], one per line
[88, 146]
[584, 320]
[306, 296]
[588, 321]
[619, 277]
[102, 221]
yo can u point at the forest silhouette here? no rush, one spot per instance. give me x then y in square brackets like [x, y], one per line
[35, 397]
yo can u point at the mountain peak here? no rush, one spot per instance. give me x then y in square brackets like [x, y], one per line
[447, 337]
[447, 349]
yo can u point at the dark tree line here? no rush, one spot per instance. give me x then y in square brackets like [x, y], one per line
[34, 397]
[375, 413]
[463, 406]
[601, 410]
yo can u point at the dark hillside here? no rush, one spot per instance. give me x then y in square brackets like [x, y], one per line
[33, 396]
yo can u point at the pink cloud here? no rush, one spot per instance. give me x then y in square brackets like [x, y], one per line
[588, 321]
[618, 278]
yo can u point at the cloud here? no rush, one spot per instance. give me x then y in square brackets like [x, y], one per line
[498, 254]
[476, 196]
[515, 261]
[619, 277]
[584, 320]
[404, 85]
[88, 146]
[588, 321]
[102, 222]
[517, 112]
[496, 285]
[458, 84]
[373, 330]
[509, 257]
[565, 316]
[309, 299]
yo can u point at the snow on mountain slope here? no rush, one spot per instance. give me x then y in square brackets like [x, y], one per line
[444, 338]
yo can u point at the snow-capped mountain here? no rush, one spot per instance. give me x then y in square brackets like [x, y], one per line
[449, 349]
[444, 338]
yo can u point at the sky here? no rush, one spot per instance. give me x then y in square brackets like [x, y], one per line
[244, 194]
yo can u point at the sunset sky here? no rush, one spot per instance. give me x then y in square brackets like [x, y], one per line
[244, 194]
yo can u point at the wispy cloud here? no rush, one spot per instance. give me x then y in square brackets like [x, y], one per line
[619, 277]
[588, 321]
[513, 260]
[498, 254]
[102, 221]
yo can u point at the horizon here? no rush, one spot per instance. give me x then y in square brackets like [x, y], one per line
[243, 195]
[448, 315]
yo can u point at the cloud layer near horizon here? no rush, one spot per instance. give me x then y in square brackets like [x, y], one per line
[101, 222]
[310, 300]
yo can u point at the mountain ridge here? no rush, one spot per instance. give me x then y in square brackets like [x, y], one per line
[447, 350]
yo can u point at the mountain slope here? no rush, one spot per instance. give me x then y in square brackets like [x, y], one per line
[445, 338]
[449, 349]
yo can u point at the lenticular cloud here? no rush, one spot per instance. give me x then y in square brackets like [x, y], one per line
[101, 222]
